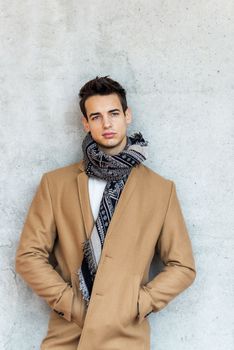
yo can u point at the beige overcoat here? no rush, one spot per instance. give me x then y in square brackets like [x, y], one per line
[147, 219]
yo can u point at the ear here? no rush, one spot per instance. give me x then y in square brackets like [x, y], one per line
[128, 115]
[85, 124]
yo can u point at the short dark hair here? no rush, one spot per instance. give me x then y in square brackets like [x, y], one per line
[102, 86]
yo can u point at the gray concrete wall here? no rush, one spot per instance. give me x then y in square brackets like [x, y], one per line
[175, 59]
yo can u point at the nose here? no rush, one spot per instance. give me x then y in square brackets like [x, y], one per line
[106, 122]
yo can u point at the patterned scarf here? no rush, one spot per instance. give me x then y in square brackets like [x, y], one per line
[115, 170]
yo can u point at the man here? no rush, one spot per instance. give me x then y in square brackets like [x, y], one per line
[102, 220]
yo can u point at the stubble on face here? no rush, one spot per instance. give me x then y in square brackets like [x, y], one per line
[121, 144]
[105, 115]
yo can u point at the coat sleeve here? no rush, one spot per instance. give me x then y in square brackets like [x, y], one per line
[32, 255]
[175, 250]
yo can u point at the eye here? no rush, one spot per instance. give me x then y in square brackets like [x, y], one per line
[95, 117]
[115, 113]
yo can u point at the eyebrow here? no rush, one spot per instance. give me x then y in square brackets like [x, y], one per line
[110, 111]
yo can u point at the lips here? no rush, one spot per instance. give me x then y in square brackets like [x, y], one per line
[108, 134]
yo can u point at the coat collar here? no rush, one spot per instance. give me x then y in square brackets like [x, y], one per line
[83, 191]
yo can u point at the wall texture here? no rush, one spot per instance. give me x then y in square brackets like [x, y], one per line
[175, 59]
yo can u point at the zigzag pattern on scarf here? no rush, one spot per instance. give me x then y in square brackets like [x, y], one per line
[115, 169]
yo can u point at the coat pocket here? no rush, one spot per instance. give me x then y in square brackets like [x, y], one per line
[131, 310]
[135, 296]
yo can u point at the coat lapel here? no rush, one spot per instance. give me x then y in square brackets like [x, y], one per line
[123, 200]
[82, 182]
[83, 190]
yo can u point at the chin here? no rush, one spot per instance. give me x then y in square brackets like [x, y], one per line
[108, 144]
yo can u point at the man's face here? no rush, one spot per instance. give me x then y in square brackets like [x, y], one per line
[107, 122]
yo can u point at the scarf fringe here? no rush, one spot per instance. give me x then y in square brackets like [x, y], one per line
[83, 288]
[89, 256]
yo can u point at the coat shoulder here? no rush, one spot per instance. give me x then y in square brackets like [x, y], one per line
[68, 171]
[157, 187]
[155, 177]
